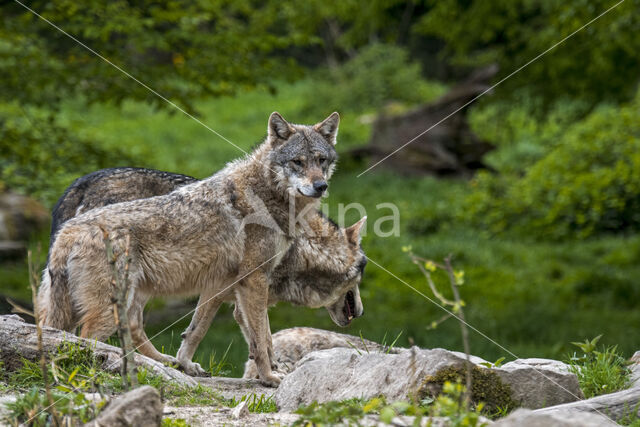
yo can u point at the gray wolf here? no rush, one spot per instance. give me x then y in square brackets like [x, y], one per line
[303, 269]
[194, 241]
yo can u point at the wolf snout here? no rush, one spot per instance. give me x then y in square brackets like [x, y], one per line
[320, 185]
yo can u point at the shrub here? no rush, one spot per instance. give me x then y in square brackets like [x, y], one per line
[378, 74]
[588, 183]
[40, 158]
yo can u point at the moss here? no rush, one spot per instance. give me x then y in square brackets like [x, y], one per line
[486, 387]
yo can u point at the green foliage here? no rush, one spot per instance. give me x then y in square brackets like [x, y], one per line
[631, 417]
[220, 367]
[40, 158]
[174, 422]
[378, 74]
[33, 405]
[259, 404]
[72, 368]
[599, 372]
[449, 404]
[588, 183]
[345, 411]
[524, 128]
[182, 49]
[594, 64]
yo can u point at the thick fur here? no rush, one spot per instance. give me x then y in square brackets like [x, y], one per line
[195, 241]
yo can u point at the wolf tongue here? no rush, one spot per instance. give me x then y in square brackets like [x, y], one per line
[349, 314]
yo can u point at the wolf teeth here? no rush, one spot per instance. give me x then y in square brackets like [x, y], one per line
[350, 317]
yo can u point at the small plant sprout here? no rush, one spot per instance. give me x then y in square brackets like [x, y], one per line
[453, 306]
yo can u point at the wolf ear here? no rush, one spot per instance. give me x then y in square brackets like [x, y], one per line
[329, 128]
[353, 232]
[279, 128]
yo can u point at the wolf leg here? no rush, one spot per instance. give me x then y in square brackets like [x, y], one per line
[251, 306]
[200, 322]
[98, 324]
[250, 368]
[140, 340]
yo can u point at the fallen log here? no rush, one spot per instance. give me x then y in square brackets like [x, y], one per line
[432, 139]
[18, 340]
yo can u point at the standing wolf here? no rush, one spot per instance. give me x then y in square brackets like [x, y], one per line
[196, 240]
[317, 267]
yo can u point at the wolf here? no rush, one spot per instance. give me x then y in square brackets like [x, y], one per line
[315, 269]
[196, 240]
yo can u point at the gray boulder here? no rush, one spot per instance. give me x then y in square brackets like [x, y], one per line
[139, 407]
[527, 418]
[342, 373]
[291, 345]
[537, 383]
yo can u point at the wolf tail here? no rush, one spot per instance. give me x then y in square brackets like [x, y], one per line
[54, 298]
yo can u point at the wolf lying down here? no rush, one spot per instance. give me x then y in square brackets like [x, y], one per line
[188, 237]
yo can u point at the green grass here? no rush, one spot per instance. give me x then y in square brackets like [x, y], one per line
[256, 403]
[532, 297]
[599, 372]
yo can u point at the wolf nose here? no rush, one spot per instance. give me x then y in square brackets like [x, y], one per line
[320, 186]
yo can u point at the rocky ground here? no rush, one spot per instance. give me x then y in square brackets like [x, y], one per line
[323, 366]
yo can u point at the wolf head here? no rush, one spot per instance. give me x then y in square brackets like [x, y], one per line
[324, 270]
[348, 305]
[303, 157]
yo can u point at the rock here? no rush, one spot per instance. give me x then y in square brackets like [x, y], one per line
[18, 340]
[342, 373]
[537, 383]
[635, 369]
[235, 388]
[213, 416]
[291, 345]
[616, 405]
[240, 411]
[528, 418]
[139, 407]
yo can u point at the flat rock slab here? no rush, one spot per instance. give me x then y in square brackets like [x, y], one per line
[231, 388]
[527, 418]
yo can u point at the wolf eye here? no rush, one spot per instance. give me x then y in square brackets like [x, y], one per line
[322, 160]
[297, 162]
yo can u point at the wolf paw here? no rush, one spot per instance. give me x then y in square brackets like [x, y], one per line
[270, 381]
[194, 369]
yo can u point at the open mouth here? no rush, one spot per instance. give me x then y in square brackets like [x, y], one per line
[349, 309]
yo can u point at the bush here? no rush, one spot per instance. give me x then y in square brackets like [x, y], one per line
[40, 158]
[378, 74]
[588, 183]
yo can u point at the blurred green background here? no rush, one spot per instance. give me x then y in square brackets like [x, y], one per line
[548, 235]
